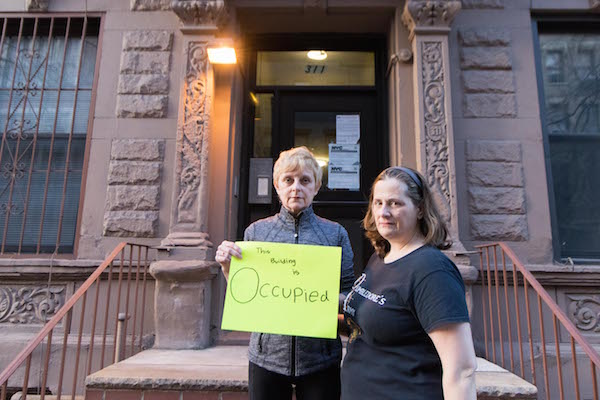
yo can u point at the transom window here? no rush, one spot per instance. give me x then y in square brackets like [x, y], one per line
[46, 78]
[315, 68]
[570, 71]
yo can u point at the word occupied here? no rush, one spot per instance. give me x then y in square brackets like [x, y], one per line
[274, 281]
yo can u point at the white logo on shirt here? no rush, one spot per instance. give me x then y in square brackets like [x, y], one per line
[367, 294]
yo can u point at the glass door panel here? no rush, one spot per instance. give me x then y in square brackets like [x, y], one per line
[334, 142]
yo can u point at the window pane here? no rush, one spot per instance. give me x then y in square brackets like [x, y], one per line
[333, 138]
[7, 62]
[86, 77]
[55, 62]
[82, 112]
[71, 63]
[65, 111]
[44, 123]
[263, 123]
[295, 68]
[39, 62]
[571, 73]
[575, 166]
[571, 78]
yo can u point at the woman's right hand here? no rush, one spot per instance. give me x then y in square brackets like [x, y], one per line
[225, 251]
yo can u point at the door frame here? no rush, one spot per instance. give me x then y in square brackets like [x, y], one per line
[295, 42]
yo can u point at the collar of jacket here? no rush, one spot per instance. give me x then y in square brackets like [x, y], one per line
[287, 217]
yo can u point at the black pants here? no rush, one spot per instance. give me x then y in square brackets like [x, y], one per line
[320, 385]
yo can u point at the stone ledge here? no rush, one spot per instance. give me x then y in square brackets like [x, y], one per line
[36, 270]
[215, 368]
[494, 382]
[226, 368]
[571, 276]
[44, 262]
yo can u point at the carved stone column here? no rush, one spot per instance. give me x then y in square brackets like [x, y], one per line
[428, 22]
[183, 277]
[189, 211]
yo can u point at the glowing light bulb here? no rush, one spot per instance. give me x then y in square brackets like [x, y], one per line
[317, 55]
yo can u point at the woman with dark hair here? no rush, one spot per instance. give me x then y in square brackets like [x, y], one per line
[410, 335]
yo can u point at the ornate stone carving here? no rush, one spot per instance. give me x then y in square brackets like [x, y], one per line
[584, 311]
[37, 5]
[201, 12]
[150, 5]
[188, 218]
[192, 133]
[436, 137]
[429, 13]
[30, 305]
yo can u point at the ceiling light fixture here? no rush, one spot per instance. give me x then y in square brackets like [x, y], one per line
[317, 55]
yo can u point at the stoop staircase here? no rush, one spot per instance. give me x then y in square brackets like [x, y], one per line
[88, 333]
[108, 356]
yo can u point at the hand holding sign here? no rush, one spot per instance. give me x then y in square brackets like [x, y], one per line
[285, 289]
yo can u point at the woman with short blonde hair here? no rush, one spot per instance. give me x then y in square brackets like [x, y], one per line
[281, 364]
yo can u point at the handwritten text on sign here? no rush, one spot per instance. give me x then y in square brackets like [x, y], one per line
[288, 289]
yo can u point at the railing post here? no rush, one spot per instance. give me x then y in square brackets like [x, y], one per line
[551, 387]
[119, 343]
[64, 363]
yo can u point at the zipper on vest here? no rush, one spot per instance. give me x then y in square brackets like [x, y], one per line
[293, 358]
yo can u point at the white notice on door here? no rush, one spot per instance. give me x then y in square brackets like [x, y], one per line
[347, 129]
[263, 186]
[344, 166]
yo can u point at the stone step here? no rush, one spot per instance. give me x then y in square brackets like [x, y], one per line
[494, 382]
[222, 372]
[19, 396]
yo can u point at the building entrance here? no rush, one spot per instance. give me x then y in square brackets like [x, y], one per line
[333, 108]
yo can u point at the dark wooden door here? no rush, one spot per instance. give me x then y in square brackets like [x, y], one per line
[342, 130]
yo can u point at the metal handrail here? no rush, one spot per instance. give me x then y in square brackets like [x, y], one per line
[499, 331]
[65, 314]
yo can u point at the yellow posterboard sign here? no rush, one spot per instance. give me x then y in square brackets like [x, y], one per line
[288, 289]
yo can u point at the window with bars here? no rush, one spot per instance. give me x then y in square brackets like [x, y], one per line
[570, 76]
[46, 79]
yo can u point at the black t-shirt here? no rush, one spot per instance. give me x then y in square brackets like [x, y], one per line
[390, 310]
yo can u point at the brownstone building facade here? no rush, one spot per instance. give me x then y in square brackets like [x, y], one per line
[116, 126]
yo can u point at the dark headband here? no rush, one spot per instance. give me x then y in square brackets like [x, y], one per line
[413, 176]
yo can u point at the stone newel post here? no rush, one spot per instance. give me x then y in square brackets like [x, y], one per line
[428, 22]
[183, 278]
